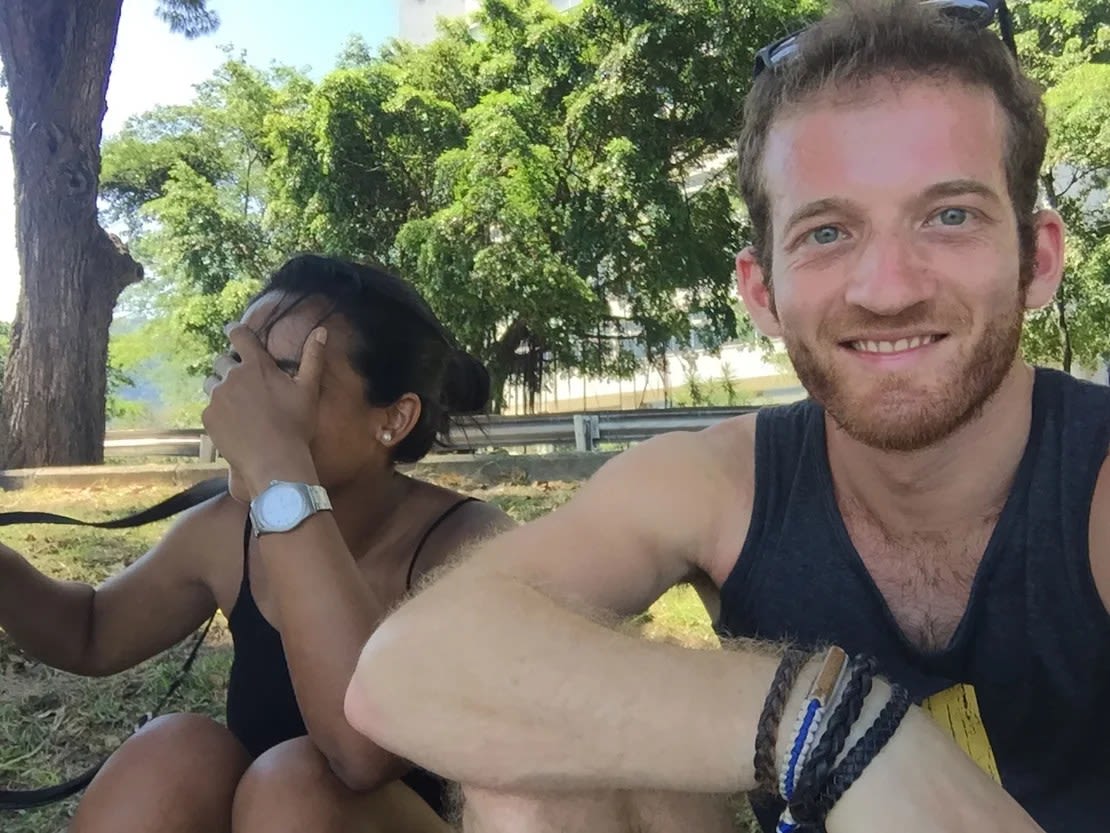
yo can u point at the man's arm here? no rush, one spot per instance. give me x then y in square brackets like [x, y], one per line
[504, 654]
[1100, 535]
[498, 676]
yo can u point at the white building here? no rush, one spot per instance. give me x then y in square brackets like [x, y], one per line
[417, 18]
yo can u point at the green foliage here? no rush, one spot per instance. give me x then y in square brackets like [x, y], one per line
[559, 188]
[164, 374]
[1056, 36]
[191, 183]
[1066, 45]
[728, 384]
[533, 182]
[563, 224]
[191, 18]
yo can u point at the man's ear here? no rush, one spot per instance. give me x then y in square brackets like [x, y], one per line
[758, 296]
[1048, 260]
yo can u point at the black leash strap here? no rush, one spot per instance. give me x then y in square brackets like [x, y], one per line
[195, 494]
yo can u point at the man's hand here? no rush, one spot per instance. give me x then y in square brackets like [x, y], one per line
[922, 782]
[257, 414]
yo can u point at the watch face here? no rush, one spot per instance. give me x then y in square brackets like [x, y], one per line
[281, 506]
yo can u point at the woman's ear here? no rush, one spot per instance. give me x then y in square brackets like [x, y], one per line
[399, 420]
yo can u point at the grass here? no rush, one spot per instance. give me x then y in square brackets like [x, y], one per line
[54, 725]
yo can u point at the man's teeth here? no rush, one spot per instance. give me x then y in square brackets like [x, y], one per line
[893, 346]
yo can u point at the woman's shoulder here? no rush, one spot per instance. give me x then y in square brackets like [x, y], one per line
[455, 522]
[456, 513]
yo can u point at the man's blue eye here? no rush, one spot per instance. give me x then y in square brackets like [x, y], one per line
[953, 217]
[825, 235]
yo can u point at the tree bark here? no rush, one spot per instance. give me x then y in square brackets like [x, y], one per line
[502, 361]
[57, 56]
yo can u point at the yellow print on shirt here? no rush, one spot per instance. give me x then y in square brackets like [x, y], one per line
[956, 709]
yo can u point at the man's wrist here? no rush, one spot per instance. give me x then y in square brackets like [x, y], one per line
[834, 704]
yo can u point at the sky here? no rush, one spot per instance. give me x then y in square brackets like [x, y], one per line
[153, 66]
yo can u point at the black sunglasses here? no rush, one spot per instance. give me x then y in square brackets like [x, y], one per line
[979, 13]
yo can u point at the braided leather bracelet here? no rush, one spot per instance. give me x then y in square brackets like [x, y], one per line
[766, 736]
[864, 751]
[828, 748]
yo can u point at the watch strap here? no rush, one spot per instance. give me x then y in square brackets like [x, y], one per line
[317, 497]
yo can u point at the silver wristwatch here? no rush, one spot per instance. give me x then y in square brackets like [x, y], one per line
[283, 506]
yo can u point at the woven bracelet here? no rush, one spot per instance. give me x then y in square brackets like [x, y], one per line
[864, 751]
[838, 725]
[766, 735]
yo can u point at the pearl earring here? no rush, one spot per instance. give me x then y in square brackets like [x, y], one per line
[387, 436]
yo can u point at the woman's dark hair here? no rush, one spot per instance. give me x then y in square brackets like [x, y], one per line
[399, 345]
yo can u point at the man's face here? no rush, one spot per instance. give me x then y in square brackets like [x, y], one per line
[896, 284]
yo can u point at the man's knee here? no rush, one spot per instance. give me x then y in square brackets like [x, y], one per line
[490, 811]
[664, 812]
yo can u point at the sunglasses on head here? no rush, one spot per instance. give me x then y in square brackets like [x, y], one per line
[979, 13]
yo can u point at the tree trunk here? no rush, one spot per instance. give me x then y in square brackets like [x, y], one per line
[502, 361]
[57, 55]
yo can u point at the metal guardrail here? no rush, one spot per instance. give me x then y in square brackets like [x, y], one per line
[585, 431]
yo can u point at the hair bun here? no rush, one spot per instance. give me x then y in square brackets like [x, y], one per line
[466, 384]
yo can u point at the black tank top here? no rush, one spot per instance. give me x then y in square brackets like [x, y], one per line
[1034, 640]
[262, 708]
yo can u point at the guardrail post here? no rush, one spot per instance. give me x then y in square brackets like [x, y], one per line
[586, 432]
[207, 449]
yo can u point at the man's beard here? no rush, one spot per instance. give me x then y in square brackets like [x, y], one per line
[897, 413]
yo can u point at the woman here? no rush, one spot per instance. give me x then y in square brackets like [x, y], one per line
[336, 373]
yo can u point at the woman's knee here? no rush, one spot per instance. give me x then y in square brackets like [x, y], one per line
[195, 745]
[177, 767]
[285, 786]
[290, 766]
[292, 788]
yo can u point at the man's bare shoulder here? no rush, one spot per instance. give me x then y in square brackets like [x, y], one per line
[732, 442]
[1100, 532]
[701, 481]
[696, 460]
[735, 435]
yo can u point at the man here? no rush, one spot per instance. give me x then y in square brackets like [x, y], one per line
[937, 504]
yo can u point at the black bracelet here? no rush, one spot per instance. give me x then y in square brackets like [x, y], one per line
[864, 751]
[766, 735]
[838, 725]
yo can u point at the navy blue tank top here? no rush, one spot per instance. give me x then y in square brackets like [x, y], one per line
[262, 708]
[1034, 640]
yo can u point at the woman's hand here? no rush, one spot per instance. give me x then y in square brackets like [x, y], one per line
[261, 418]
